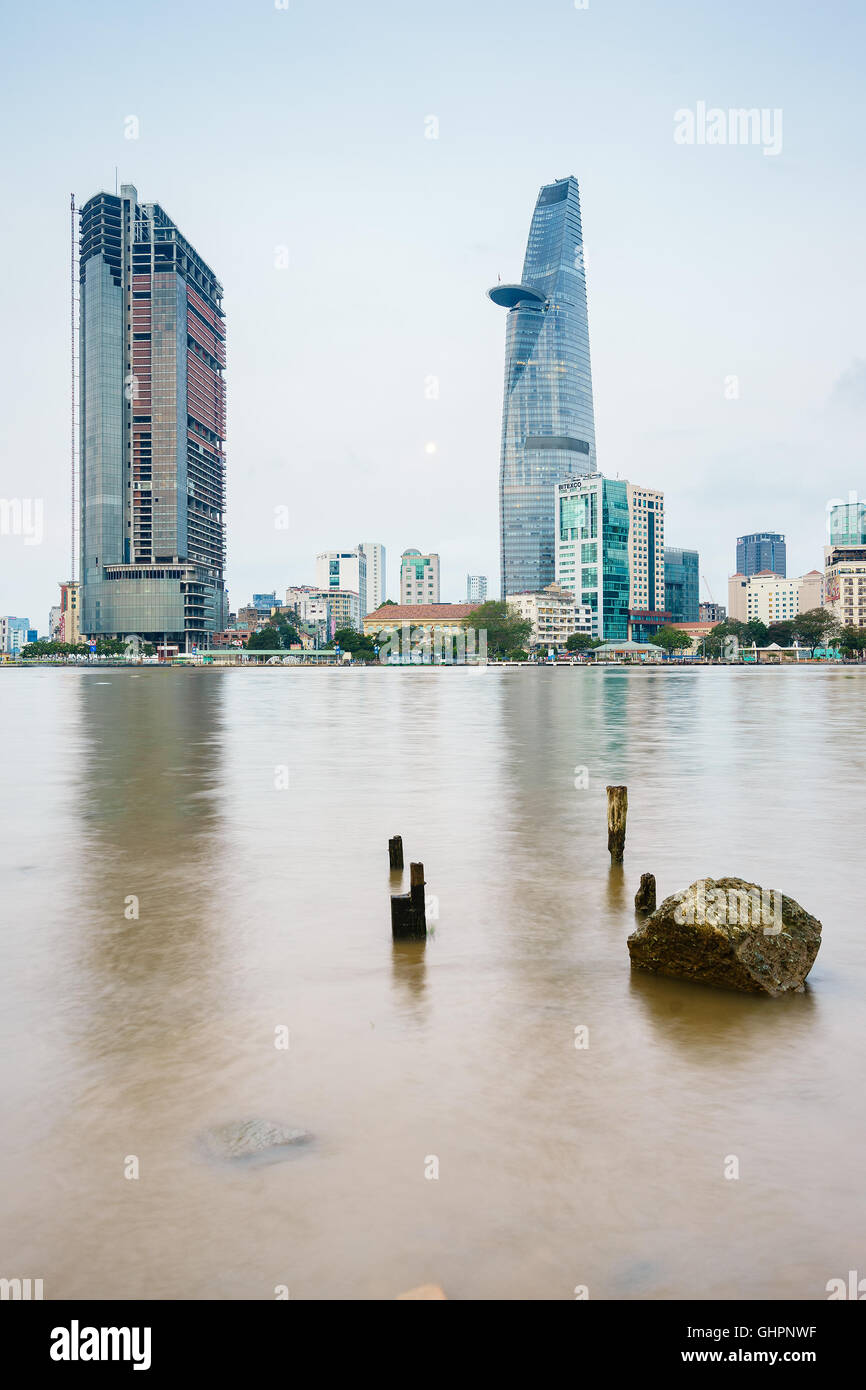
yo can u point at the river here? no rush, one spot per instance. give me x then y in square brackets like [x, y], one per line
[244, 816]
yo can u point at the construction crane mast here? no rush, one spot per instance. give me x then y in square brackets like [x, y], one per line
[73, 300]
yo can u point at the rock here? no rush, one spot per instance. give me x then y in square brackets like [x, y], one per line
[252, 1139]
[645, 897]
[423, 1291]
[730, 933]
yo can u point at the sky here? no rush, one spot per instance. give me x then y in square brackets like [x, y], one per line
[291, 145]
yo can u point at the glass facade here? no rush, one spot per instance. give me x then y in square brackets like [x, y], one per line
[764, 550]
[152, 344]
[682, 584]
[847, 523]
[591, 526]
[548, 429]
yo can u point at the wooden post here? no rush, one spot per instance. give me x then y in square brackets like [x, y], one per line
[645, 897]
[395, 852]
[617, 811]
[408, 915]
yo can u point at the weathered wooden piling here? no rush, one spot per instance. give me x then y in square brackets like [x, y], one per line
[645, 897]
[408, 914]
[395, 851]
[617, 811]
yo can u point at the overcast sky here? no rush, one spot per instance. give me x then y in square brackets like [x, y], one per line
[306, 128]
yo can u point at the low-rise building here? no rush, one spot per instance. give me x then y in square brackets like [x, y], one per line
[554, 614]
[696, 631]
[712, 612]
[771, 598]
[419, 578]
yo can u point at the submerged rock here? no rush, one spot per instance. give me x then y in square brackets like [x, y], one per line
[730, 933]
[252, 1139]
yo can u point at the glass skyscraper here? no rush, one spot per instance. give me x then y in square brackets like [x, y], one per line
[682, 584]
[548, 428]
[152, 427]
[763, 550]
[592, 527]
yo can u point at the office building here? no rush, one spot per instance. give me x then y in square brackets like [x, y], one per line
[476, 588]
[646, 550]
[554, 614]
[70, 610]
[263, 603]
[344, 570]
[845, 583]
[54, 623]
[763, 550]
[344, 608]
[591, 526]
[548, 428]
[377, 578]
[846, 523]
[770, 598]
[419, 578]
[682, 585]
[152, 427]
[14, 634]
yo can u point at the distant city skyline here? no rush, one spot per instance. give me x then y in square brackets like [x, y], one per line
[365, 364]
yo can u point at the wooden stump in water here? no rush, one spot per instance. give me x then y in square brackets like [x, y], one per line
[408, 914]
[645, 897]
[617, 811]
[395, 852]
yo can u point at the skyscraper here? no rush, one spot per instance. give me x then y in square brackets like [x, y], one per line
[682, 584]
[377, 582]
[152, 427]
[548, 428]
[763, 550]
[344, 570]
[592, 521]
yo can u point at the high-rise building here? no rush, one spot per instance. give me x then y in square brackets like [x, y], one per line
[846, 523]
[476, 588]
[419, 577]
[377, 578]
[344, 570]
[14, 634]
[152, 427]
[70, 613]
[763, 550]
[592, 550]
[646, 549]
[712, 612]
[682, 584]
[548, 428]
[844, 590]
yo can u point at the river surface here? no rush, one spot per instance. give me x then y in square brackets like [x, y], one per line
[264, 906]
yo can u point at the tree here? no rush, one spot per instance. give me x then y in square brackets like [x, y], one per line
[580, 642]
[348, 639]
[267, 639]
[816, 628]
[781, 632]
[851, 641]
[506, 630]
[672, 639]
[278, 635]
